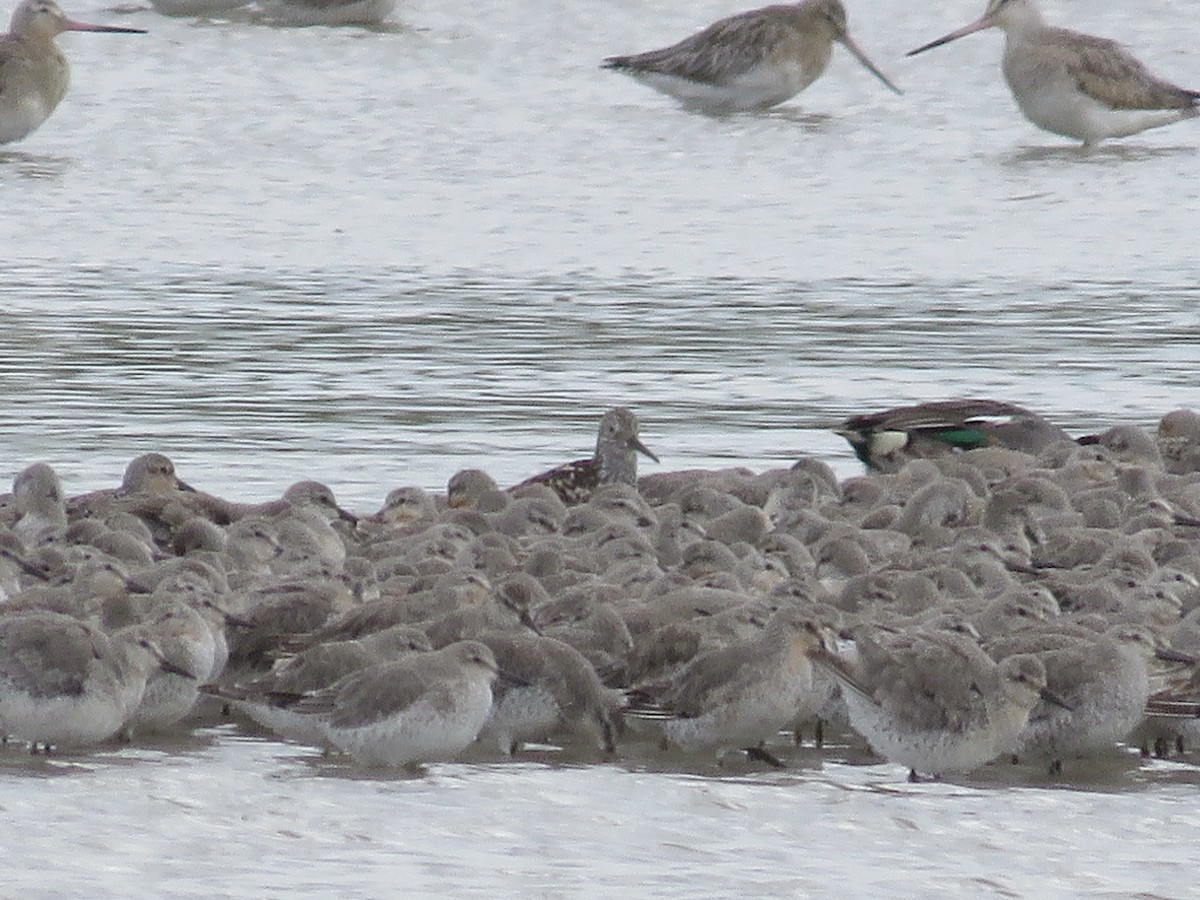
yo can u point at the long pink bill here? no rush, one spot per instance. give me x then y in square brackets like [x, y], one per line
[848, 43]
[72, 25]
[977, 25]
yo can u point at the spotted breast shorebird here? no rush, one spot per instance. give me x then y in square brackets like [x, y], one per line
[885, 441]
[750, 61]
[614, 462]
[33, 72]
[1074, 84]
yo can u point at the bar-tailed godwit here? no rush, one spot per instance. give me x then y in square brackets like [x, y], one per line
[33, 72]
[753, 60]
[1074, 84]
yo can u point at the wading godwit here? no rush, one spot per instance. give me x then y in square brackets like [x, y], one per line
[33, 72]
[752, 60]
[1073, 84]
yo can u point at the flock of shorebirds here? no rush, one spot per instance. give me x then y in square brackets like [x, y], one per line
[990, 588]
[993, 587]
[1065, 82]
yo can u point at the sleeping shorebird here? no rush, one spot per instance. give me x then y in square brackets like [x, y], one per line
[33, 72]
[740, 695]
[419, 708]
[1073, 84]
[752, 60]
[66, 683]
[934, 701]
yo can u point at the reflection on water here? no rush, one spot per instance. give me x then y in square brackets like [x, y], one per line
[31, 165]
[243, 816]
[1101, 154]
[404, 378]
[808, 121]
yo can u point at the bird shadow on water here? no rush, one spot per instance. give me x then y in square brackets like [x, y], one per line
[1118, 771]
[314, 763]
[1105, 154]
[355, 29]
[795, 763]
[234, 13]
[814, 123]
[17, 758]
[29, 165]
[311, 762]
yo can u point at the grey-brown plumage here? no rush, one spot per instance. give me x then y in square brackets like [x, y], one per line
[737, 696]
[39, 501]
[268, 699]
[426, 706]
[63, 681]
[1074, 84]
[752, 60]
[554, 693]
[33, 72]
[933, 700]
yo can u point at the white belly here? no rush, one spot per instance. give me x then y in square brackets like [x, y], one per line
[759, 88]
[22, 117]
[431, 729]
[1050, 98]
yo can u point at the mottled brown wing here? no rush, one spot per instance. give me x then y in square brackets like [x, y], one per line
[1106, 72]
[574, 482]
[720, 52]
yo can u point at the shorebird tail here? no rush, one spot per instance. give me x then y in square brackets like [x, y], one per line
[838, 668]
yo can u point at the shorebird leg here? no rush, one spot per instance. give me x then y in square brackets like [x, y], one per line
[763, 755]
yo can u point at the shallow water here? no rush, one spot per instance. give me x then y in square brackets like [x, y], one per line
[405, 379]
[223, 814]
[375, 257]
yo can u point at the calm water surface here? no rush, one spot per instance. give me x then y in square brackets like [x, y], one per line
[375, 257]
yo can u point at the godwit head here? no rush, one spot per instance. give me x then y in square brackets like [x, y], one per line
[1009, 15]
[834, 16]
[33, 72]
[44, 20]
